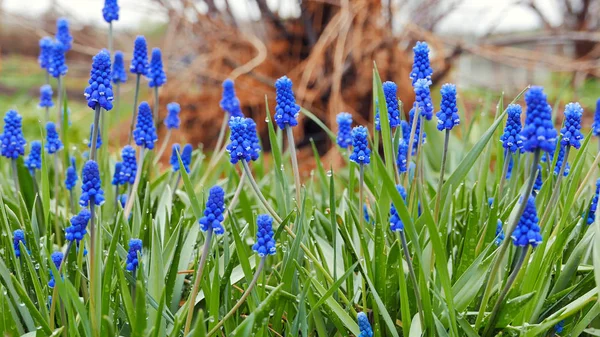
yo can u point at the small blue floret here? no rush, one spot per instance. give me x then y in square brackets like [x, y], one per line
[53, 143]
[364, 325]
[128, 165]
[18, 236]
[421, 66]
[34, 160]
[46, 96]
[423, 98]
[110, 11]
[135, 248]
[139, 62]
[538, 132]
[118, 75]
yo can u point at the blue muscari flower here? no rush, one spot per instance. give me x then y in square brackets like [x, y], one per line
[265, 241]
[421, 67]
[395, 221]
[34, 160]
[98, 138]
[538, 132]
[57, 66]
[243, 138]
[99, 91]
[155, 73]
[511, 139]
[366, 213]
[56, 258]
[448, 114]
[123, 199]
[116, 181]
[499, 233]
[174, 160]
[45, 57]
[213, 213]
[418, 130]
[91, 186]
[172, 121]
[571, 131]
[186, 157]
[528, 230]
[364, 325]
[139, 62]
[229, 101]
[402, 157]
[128, 166]
[537, 185]
[559, 327]
[145, 131]
[18, 236]
[596, 124]
[71, 174]
[53, 143]
[594, 204]
[360, 146]
[135, 247]
[110, 11]
[559, 162]
[79, 222]
[286, 110]
[46, 96]
[255, 153]
[490, 201]
[344, 121]
[12, 140]
[118, 75]
[390, 91]
[63, 35]
[423, 98]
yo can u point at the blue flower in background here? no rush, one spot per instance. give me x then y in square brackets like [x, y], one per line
[145, 131]
[110, 11]
[57, 66]
[45, 57]
[119, 75]
[286, 110]
[364, 325]
[511, 139]
[448, 115]
[366, 213]
[186, 157]
[91, 186]
[56, 258]
[98, 138]
[596, 124]
[390, 92]
[229, 101]
[265, 241]
[116, 181]
[559, 327]
[213, 213]
[34, 160]
[156, 74]
[176, 148]
[139, 62]
[135, 247]
[79, 223]
[12, 140]
[395, 221]
[528, 230]
[46, 96]
[53, 143]
[242, 140]
[559, 161]
[421, 66]
[499, 233]
[537, 185]
[571, 131]
[423, 98]
[99, 91]
[254, 141]
[123, 199]
[18, 237]
[538, 132]
[63, 35]
[71, 174]
[344, 121]
[128, 166]
[360, 146]
[402, 157]
[172, 121]
[594, 204]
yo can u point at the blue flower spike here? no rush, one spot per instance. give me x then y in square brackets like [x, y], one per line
[123, 199]
[128, 165]
[538, 132]
[402, 157]
[46, 96]
[18, 237]
[156, 74]
[559, 327]
[286, 110]
[186, 157]
[53, 143]
[139, 62]
[213, 213]
[118, 75]
[448, 115]
[596, 124]
[91, 186]
[421, 66]
[344, 137]
[110, 11]
[71, 174]
[99, 91]
[45, 56]
[265, 241]
[56, 258]
[229, 100]
[594, 205]
[571, 131]
[390, 92]
[244, 141]
[511, 139]
[395, 221]
[145, 131]
[57, 66]
[116, 181]
[360, 146]
[499, 233]
[34, 159]
[528, 229]
[176, 148]
[559, 162]
[12, 140]
[98, 138]
[172, 121]
[423, 98]
[78, 227]
[63, 35]
[364, 325]
[537, 185]
[135, 248]
[419, 121]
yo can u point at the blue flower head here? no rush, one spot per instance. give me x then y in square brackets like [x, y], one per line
[99, 91]
[186, 157]
[71, 174]
[528, 230]
[395, 221]
[57, 66]
[559, 162]
[139, 62]
[123, 199]
[56, 258]
[402, 157]
[360, 146]
[243, 145]
[499, 233]
[364, 325]
[98, 137]
[110, 11]
[12, 140]
[18, 236]
[255, 153]
[46, 96]
[538, 132]
[419, 121]
[45, 57]
[91, 186]
[448, 114]
[571, 131]
[63, 35]
[156, 74]
[115, 180]
[79, 223]
[390, 92]
[344, 121]
[596, 124]
[135, 247]
[511, 139]
[119, 75]
[423, 98]
[128, 166]
[174, 160]
[145, 131]
[265, 241]
[34, 160]
[421, 67]
[213, 213]
[405, 127]
[594, 204]
[286, 110]
[229, 101]
[559, 327]
[172, 121]
[537, 185]
[53, 143]
[366, 214]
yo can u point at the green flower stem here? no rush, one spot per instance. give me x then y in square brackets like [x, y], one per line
[236, 195]
[110, 38]
[55, 289]
[259, 194]
[413, 131]
[591, 172]
[211, 164]
[117, 198]
[135, 100]
[163, 146]
[60, 101]
[136, 182]
[56, 192]
[95, 271]
[506, 243]
[176, 183]
[47, 114]
[441, 181]
[554, 197]
[200, 270]
[292, 147]
[15, 174]
[361, 180]
[257, 273]
[156, 106]
[221, 136]
[507, 159]
[413, 277]
[72, 201]
[511, 279]
[95, 130]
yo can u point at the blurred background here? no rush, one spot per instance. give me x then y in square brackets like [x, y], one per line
[327, 47]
